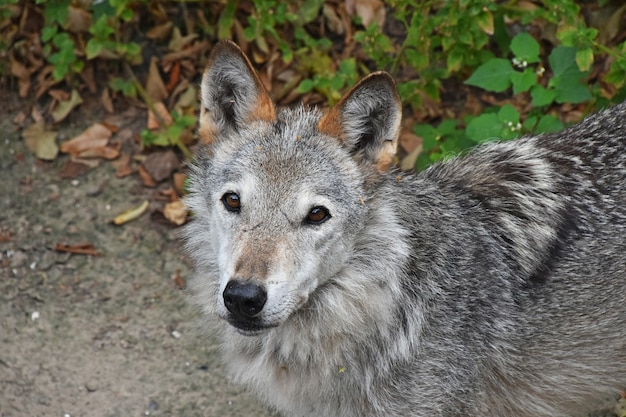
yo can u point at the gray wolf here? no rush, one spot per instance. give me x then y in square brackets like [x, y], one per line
[489, 285]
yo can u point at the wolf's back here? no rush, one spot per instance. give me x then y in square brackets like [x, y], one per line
[523, 246]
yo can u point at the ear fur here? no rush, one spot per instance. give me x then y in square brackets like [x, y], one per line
[232, 95]
[367, 119]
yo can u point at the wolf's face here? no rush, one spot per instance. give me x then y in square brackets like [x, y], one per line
[280, 195]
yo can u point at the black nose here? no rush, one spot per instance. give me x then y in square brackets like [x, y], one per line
[244, 300]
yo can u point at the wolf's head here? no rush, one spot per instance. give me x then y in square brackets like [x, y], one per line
[280, 195]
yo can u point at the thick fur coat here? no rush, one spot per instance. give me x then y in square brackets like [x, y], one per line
[489, 285]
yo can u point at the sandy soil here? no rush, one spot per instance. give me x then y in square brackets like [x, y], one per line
[108, 335]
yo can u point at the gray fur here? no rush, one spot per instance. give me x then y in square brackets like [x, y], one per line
[488, 285]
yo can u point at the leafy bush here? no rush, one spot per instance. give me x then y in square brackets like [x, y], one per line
[525, 64]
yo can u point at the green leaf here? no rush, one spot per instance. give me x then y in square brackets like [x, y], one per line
[93, 48]
[484, 127]
[525, 48]
[48, 33]
[226, 20]
[305, 86]
[523, 81]
[548, 124]
[563, 63]
[508, 114]
[529, 123]
[572, 93]
[309, 10]
[455, 59]
[509, 118]
[428, 134]
[584, 59]
[57, 11]
[447, 127]
[494, 75]
[101, 29]
[541, 96]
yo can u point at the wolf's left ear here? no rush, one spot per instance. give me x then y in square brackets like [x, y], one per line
[232, 95]
[367, 119]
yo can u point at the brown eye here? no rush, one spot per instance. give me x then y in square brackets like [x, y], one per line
[231, 202]
[317, 215]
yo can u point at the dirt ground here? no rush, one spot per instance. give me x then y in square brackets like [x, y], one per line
[108, 335]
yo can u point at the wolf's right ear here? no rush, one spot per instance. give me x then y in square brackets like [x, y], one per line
[232, 95]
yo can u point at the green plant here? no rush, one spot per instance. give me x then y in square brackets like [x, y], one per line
[170, 135]
[59, 47]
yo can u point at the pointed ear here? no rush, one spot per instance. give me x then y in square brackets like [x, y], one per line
[232, 95]
[367, 119]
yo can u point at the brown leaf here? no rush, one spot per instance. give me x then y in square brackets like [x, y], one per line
[179, 42]
[192, 52]
[174, 77]
[334, 22]
[409, 141]
[409, 161]
[179, 183]
[40, 141]
[78, 20]
[154, 85]
[160, 165]
[175, 212]
[103, 152]
[73, 169]
[19, 71]
[147, 180]
[87, 74]
[96, 136]
[65, 107]
[153, 121]
[368, 10]
[59, 95]
[160, 32]
[122, 166]
[81, 249]
[105, 98]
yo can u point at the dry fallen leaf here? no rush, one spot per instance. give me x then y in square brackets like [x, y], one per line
[160, 165]
[408, 162]
[153, 121]
[65, 107]
[176, 212]
[146, 179]
[96, 136]
[179, 182]
[131, 214]
[40, 141]
[73, 169]
[123, 166]
[78, 20]
[368, 10]
[160, 32]
[81, 249]
[155, 88]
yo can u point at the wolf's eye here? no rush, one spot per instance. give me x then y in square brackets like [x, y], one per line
[317, 215]
[231, 202]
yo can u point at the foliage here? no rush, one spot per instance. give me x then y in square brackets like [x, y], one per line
[523, 64]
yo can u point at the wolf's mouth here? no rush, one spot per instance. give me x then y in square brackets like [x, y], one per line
[248, 328]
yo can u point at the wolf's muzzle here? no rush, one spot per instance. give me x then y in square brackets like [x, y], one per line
[244, 300]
